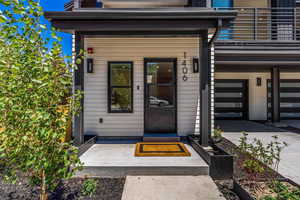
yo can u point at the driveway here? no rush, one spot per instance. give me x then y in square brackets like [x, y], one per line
[290, 157]
[292, 123]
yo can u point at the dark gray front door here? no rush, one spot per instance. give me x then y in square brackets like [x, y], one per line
[160, 95]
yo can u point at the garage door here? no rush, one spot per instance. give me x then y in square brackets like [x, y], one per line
[289, 99]
[231, 99]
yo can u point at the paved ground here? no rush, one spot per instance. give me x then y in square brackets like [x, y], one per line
[247, 126]
[292, 123]
[119, 160]
[290, 164]
[170, 188]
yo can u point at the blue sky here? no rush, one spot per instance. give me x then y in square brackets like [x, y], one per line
[58, 5]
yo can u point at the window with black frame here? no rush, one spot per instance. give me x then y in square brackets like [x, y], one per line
[120, 87]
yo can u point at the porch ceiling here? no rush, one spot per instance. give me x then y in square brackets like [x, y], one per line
[152, 20]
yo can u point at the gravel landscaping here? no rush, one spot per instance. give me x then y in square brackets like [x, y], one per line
[107, 189]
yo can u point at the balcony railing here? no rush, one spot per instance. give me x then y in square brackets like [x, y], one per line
[69, 5]
[263, 24]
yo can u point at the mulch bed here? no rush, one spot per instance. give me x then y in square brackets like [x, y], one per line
[239, 173]
[226, 186]
[107, 189]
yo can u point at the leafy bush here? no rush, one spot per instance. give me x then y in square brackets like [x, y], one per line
[89, 187]
[283, 192]
[35, 99]
[258, 155]
[217, 134]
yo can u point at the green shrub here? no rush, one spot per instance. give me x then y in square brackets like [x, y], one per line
[283, 192]
[89, 187]
[258, 155]
[35, 99]
[218, 132]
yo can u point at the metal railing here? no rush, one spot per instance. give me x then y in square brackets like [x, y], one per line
[69, 5]
[263, 24]
[86, 4]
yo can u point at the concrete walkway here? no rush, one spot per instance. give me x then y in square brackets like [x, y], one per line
[290, 157]
[170, 188]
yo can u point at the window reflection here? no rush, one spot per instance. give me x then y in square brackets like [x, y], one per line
[120, 74]
[120, 87]
[161, 96]
[121, 99]
[160, 72]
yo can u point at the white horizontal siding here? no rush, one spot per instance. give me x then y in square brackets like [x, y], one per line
[135, 50]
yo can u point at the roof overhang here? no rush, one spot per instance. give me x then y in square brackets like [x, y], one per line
[257, 56]
[116, 20]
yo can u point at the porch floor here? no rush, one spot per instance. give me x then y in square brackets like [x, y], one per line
[117, 160]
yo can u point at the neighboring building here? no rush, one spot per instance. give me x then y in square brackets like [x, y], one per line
[260, 50]
[155, 67]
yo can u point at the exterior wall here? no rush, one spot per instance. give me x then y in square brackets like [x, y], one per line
[136, 49]
[200, 3]
[143, 3]
[252, 3]
[257, 94]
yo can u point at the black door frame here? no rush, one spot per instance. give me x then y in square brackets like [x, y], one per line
[154, 59]
[245, 98]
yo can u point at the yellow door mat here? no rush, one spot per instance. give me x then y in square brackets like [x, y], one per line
[161, 149]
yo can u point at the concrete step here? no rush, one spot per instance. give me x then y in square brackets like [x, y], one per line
[121, 171]
[155, 137]
[118, 160]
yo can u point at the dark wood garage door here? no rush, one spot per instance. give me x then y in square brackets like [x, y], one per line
[231, 99]
[289, 99]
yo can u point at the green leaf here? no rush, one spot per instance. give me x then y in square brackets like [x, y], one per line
[43, 26]
[5, 2]
[3, 19]
[34, 82]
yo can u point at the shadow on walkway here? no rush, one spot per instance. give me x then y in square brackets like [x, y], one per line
[244, 126]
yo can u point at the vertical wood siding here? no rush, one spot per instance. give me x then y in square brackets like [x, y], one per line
[135, 50]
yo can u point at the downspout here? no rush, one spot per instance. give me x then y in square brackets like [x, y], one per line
[216, 34]
[210, 43]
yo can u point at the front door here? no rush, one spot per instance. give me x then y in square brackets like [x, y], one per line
[160, 95]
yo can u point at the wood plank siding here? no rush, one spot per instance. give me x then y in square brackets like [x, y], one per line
[135, 50]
